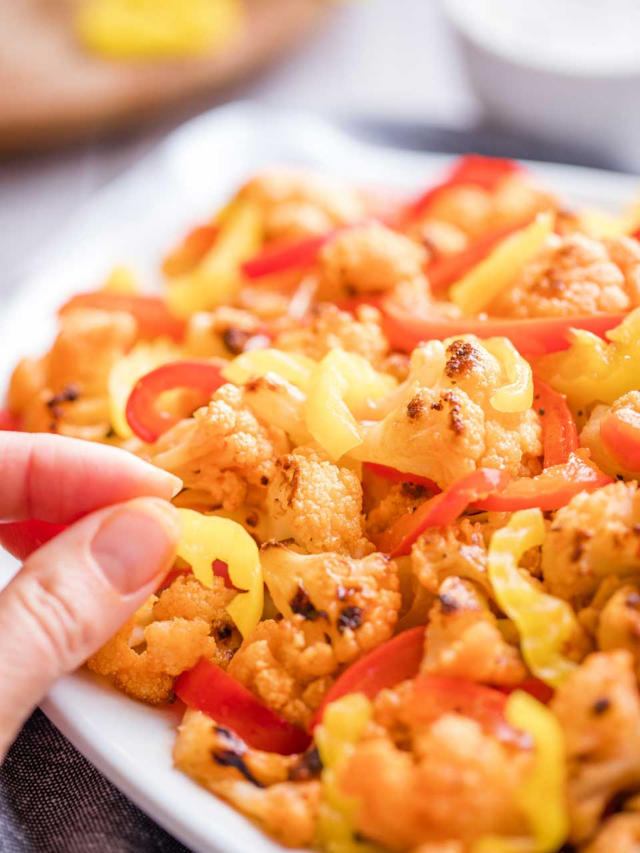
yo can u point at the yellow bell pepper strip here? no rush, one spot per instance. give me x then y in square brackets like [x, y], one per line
[217, 277]
[121, 281]
[482, 284]
[297, 369]
[517, 395]
[207, 538]
[150, 29]
[341, 383]
[545, 623]
[142, 359]
[342, 726]
[594, 371]
[542, 796]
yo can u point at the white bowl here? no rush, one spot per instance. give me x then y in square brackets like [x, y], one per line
[567, 71]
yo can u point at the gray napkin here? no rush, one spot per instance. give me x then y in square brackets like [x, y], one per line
[53, 801]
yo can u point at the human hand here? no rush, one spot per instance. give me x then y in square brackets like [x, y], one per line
[74, 592]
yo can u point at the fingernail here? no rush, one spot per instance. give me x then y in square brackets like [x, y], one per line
[175, 483]
[136, 543]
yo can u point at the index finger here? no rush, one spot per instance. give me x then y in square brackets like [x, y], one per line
[59, 479]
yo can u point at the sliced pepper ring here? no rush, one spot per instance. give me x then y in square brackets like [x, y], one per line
[142, 414]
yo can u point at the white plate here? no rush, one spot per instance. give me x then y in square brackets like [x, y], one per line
[134, 220]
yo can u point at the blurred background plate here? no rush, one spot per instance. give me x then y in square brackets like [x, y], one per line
[53, 91]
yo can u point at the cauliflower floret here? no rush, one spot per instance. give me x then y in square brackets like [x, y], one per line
[187, 622]
[439, 238]
[367, 259]
[618, 834]
[432, 779]
[594, 536]
[224, 332]
[298, 204]
[618, 626]
[455, 551]
[335, 610]
[463, 640]
[399, 500]
[475, 210]
[329, 328]
[224, 450]
[446, 431]
[254, 782]
[573, 275]
[320, 504]
[590, 435]
[67, 390]
[598, 708]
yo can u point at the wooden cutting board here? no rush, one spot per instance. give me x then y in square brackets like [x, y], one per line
[52, 91]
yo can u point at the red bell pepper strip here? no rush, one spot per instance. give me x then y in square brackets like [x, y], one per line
[534, 336]
[559, 430]
[22, 538]
[152, 314]
[185, 257]
[142, 415]
[471, 170]
[447, 269]
[279, 258]
[209, 689]
[385, 666]
[534, 687]
[8, 422]
[550, 490]
[441, 510]
[395, 476]
[620, 434]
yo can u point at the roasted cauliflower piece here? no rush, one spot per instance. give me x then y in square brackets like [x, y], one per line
[475, 210]
[590, 435]
[328, 327]
[463, 639]
[619, 833]
[223, 449]
[319, 503]
[618, 626]
[335, 609]
[298, 204]
[575, 274]
[446, 430]
[168, 635]
[67, 390]
[455, 551]
[425, 780]
[596, 535]
[399, 500]
[223, 333]
[254, 782]
[367, 259]
[598, 707]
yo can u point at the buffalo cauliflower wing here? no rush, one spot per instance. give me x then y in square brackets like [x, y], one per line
[368, 259]
[335, 609]
[168, 635]
[575, 274]
[446, 430]
[320, 504]
[423, 778]
[256, 783]
[223, 450]
[598, 707]
[328, 327]
[463, 639]
[596, 535]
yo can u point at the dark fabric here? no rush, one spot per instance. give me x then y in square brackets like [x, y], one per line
[53, 801]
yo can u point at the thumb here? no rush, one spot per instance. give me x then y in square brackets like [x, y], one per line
[73, 594]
